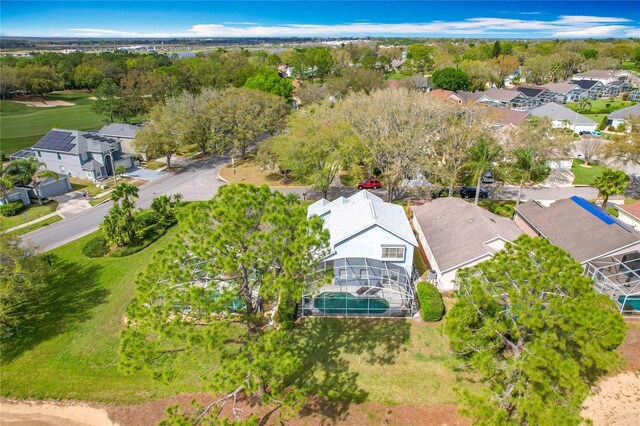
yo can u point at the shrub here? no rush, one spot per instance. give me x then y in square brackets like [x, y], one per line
[95, 247]
[286, 314]
[603, 123]
[11, 209]
[431, 305]
[146, 218]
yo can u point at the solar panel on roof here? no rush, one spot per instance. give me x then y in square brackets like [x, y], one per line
[57, 141]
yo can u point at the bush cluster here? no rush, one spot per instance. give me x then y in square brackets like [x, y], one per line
[95, 247]
[11, 209]
[431, 304]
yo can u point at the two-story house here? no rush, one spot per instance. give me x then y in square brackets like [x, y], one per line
[369, 268]
[85, 155]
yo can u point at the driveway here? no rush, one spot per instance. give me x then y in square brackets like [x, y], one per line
[71, 203]
[146, 174]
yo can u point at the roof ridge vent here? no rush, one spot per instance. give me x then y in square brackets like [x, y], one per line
[373, 211]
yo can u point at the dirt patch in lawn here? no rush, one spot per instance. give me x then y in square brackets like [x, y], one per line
[617, 401]
[317, 412]
[40, 102]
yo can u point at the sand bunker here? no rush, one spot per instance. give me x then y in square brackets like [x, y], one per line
[39, 102]
[617, 401]
[51, 414]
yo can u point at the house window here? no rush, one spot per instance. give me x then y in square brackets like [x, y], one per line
[393, 252]
[58, 154]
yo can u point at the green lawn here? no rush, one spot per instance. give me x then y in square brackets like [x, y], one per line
[598, 105]
[68, 348]
[33, 211]
[21, 126]
[585, 175]
[37, 225]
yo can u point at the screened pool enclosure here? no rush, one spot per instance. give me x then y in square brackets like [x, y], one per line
[619, 278]
[359, 287]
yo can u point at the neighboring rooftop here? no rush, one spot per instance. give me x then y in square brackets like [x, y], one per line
[563, 88]
[631, 209]
[458, 232]
[346, 217]
[508, 116]
[120, 130]
[586, 84]
[584, 230]
[560, 113]
[531, 91]
[624, 113]
[469, 96]
[502, 95]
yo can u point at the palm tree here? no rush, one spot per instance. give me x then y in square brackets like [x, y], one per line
[25, 171]
[524, 163]
[610, 182]
[126, 194]
[481, 157]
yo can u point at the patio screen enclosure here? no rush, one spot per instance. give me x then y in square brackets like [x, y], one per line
[359, 287]
[619, 278]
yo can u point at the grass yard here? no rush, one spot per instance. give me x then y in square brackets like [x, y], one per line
[87, 185]
[69, 347]
[504, 208]
[37, 225]
[248, 171]
[585, 175]
[21, 126]
[599, 106]
[32, 212]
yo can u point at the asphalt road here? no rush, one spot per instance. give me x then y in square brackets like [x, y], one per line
[196, 180]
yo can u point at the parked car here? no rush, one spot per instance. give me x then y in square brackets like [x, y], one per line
[596, 133]
[470, 192]
[369, 184]
[585, 132]
[487, 177]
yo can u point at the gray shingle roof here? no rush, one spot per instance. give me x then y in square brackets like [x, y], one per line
[563, 88]
[502, 95]
[576, 230]
[120, 130]
[624, 113]
[91, 165]
[560, 113]
[345, 217]
[458, 232]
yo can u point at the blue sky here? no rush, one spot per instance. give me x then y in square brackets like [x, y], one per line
[491, 19]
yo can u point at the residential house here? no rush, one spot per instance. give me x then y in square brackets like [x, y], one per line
[532, 91]
[565, 92]
[584, 230]
[621, 116]
[446, 95]
[370, 260]
[86, 155]
[456, 234]
[125, 134]
[471, 97]
[507, 117]
[607, 76]
[45, 188]
[504, 98]
[591, 89]
[630, 214]
[564, 118]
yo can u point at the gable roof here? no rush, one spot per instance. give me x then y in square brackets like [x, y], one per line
[74, 142]
[563, 88]
[560, 113]
[584, 230]
[346, 217]
[508, 116]
[458, 232]
[502, 95]
[624, 113]
[586, 84]
[469, 96]
[120, 130]
[531, 91]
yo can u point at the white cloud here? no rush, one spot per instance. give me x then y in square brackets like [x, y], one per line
[564, 26]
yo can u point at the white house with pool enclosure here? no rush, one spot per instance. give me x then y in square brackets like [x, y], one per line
[369, 269]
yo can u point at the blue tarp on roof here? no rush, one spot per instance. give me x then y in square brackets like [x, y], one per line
[597, 211]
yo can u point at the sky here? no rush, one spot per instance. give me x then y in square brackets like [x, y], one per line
[473, 19]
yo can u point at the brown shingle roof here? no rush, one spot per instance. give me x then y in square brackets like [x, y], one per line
[632, 209]
[458, 231]
[576, 230]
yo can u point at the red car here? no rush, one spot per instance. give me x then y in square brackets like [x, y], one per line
[369, 184]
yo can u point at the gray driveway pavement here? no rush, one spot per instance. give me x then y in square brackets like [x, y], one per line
[146, 174]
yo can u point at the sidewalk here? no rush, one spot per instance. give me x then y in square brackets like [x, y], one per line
[31, 222]
[69, 204]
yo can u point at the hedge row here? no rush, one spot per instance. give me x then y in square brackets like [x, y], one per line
[431, 305]
[11, 209]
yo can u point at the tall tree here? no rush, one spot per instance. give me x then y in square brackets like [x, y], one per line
[610, 182]
[87, 77]
[242, 115]
[21, 275]
[625, 148]
[450, 79]
[394, 127]
[161, 136]
[420, 58]
[119, 226]
[215, 296]
[316, 144]
[504, 65]
[27, 171]
[481, 158]
[533, 327]
[270, 81]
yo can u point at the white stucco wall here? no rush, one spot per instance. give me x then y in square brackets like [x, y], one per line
[628, 219]
[369, 244]
[575, 127]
